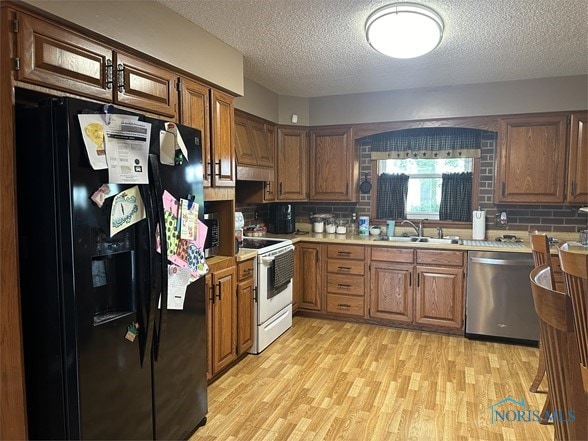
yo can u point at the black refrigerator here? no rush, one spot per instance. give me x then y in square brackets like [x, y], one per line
[82, 291]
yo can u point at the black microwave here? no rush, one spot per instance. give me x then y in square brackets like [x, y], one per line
[211, 244]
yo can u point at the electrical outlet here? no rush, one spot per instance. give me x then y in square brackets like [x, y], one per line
[256, 214]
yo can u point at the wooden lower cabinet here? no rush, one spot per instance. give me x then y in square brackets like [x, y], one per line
[345, 280]
[221, 319]
[391, 291]
[439, 296]
[245, 306]
[308, 284]
[420, 287]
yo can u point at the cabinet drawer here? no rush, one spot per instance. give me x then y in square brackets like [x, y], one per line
[245, 269]
[346, 252]
[356, 267]
[437, 257]
[348, 305]
[401, 255]
[351, 285]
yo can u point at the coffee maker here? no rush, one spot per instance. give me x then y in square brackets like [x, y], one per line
[282, 219]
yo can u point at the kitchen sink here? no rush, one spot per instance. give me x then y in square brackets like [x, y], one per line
[431, 240]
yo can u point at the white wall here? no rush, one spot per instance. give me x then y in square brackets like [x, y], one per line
[158, 31]
[510, 97]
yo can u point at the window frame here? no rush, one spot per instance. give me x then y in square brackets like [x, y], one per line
[432, 222]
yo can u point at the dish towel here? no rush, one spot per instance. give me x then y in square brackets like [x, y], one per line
[283, 268]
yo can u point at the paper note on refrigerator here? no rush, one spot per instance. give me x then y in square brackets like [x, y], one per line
[93, 126]
[127, 209]
[178, 279]
[127, 151]
[170, 142]
[188, 218]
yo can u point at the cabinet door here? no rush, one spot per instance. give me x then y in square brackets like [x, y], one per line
[244, 315]
[269, 194]
[60, 59]
[310, 277]
[222, 139]
[291, 154]
[144, 86]
[577, 188]
[391, 292]
[439, 296]
[259, 138]
[209, 293]
[531, 162]
[333, 165]
[224, 330]
[244, 150]
[195, 112]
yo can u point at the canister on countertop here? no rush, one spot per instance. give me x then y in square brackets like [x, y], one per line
[390, 224]
[364, 225]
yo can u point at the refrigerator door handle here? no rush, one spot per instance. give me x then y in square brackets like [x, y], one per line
[151, 305]
[158, 196]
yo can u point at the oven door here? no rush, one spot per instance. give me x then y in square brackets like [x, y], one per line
[270, 301]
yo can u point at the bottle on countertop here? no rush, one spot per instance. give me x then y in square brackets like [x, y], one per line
[353, 225]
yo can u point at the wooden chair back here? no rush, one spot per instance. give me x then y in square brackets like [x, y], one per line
[542, 254]
[563, 369]
[574, 266]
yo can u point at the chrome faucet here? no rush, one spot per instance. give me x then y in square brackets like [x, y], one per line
[418, 230]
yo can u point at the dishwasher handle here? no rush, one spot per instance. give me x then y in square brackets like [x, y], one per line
[501, 261]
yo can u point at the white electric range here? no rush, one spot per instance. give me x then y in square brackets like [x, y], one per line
[273, 274]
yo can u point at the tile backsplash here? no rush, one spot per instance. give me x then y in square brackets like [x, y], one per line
[520, 217]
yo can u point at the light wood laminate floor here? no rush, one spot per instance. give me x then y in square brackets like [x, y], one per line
[330, 380]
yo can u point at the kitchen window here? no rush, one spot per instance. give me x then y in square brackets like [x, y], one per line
[424, 183]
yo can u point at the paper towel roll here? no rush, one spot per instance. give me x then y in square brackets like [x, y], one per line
[478, 225]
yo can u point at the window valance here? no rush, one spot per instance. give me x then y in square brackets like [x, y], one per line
[427, 143]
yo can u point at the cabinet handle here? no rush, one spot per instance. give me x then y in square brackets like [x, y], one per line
[343, 253]
[347, 189]
[211, 291]
[108, 73]
[211, 172]
[120, 77]
[503, 191]
[573, 188]
[344, 268]
[418, 280]
[341, 285]
[218, 164]
[409, 279]
[343, 305]
[218, 292]
[267, 187]
[280, 189]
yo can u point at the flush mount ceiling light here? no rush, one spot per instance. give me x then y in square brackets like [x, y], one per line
[404, 30]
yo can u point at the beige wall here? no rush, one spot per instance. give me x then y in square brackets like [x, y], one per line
[259, 101]
[500, 98]
[525, 96]
[156, 30]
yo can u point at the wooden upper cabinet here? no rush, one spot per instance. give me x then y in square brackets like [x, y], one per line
[195, 112]
[577, 185]
[259, 136]
[244, 150]
[222, 139]
[291, 159]
[54, 57]
[531, 160]
[251, 141]
[334, 165]
[144, 86]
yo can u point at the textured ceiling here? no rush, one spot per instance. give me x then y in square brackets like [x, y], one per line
[313, 48]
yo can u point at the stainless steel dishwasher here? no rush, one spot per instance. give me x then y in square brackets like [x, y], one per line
[499, 301]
